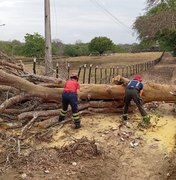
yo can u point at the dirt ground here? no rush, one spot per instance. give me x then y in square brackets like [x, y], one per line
[103, 149]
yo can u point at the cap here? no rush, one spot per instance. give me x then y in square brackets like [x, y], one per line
[138, 78]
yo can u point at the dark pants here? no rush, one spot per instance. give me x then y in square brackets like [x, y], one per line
[133, 94]
[69, 98]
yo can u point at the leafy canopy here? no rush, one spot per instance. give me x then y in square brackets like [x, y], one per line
[158, 25]
[34, 45]
[100, 45]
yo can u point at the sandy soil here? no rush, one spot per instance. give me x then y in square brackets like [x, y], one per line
[126, 153]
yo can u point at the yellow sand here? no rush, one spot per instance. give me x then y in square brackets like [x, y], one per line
[95, 127]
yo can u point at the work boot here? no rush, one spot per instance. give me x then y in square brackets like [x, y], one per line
[61, 118]
[77, 124]
[124, 117]
[145, 123]
[125, 120]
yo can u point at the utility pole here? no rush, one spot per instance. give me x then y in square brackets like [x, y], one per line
[48, 47]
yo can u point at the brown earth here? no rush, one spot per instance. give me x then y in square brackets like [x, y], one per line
[103, 149]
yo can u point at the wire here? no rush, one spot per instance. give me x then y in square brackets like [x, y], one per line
[109, 13]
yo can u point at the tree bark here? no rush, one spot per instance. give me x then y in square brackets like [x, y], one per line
[48, 94]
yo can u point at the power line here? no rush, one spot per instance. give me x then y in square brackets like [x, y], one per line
[109, 13]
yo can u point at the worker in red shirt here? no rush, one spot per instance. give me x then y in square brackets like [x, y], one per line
[69, 97]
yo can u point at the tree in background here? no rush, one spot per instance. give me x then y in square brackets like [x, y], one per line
[34, 45]
[100, 45]
[158, 25]
[79, 49]
[12, 48]
[57, 47]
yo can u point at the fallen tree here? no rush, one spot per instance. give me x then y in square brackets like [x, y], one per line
[24, 94]
[152, 92]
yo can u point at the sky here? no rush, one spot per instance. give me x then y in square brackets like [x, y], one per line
[72, 20]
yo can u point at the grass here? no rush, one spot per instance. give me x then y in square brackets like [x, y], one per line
[118, 59]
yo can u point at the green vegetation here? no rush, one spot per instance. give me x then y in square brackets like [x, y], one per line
[78, 49]
[100, 45]
[158, 26]
[34, 45]
[12, 48]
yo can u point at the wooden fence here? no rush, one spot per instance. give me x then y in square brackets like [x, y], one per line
[87, 73]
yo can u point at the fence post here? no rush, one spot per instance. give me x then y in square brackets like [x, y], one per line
[146, 66]
[130, 70]
[113, 71]
[133, 69]
[57, 70]
[122, 71]
[96, 74]
[84, 74]
[139, 68]
[100, 75]
[68, 70]
[110, 74]
[106, 76]
[90, 69]
[34, 65]
[136, 68]
[79, 71]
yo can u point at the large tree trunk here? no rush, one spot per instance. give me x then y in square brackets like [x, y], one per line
[152, 92]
